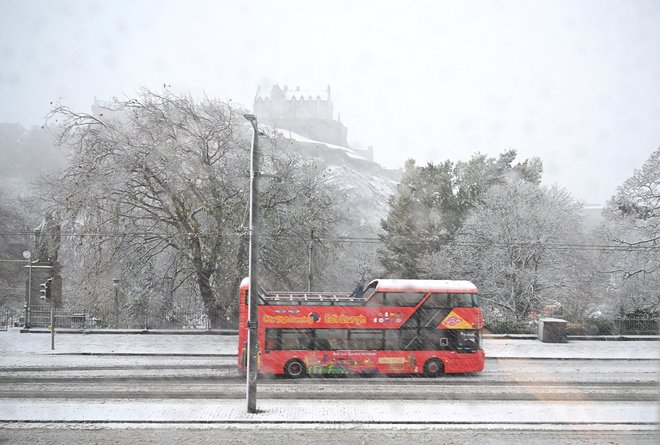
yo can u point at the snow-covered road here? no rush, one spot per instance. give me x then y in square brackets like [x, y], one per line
[556, 385]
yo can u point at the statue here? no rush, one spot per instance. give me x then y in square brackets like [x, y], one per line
[47, 240]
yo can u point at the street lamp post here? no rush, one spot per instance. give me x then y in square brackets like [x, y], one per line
[27, 255]
[115, 284]
[251, 390]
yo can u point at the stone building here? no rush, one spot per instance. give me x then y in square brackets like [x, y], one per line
[308, 113]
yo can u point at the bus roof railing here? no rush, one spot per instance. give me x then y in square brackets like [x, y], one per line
[310, 297]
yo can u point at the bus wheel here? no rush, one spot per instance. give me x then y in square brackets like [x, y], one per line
[433, 368]
[294, 369]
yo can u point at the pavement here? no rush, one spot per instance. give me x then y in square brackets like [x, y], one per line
[224, 343]
[606, 415]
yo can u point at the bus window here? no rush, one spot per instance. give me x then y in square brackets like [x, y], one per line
[461, 300]
[468, 341]
[273, 340]
[337, 344]
[409, 339]
[428, 317]
[322, 344]
[456, 300]
[331, 339]
[436, 301]
[378, 299]
[404, 299]
[305, 339]
[289, 340]
[432, 339]
[400, 299]
[442, 300]
[294, 339]
[365, 339]
[392, 342]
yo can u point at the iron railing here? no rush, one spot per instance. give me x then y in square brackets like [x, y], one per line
[637, 326]
[590, 326]
[82, 319]
[8, 317]
[72, 318]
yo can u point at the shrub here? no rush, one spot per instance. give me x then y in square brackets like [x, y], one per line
[509, 327]
[592, 326]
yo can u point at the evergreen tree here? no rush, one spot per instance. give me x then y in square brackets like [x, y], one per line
[431, 204]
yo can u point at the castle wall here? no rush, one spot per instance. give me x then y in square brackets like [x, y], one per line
[294, 108]
[322, 130]
[308, 114]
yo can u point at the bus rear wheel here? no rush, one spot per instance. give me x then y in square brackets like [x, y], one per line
[294, 369]
[433, 368]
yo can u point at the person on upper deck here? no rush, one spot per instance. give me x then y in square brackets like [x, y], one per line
[358, 291]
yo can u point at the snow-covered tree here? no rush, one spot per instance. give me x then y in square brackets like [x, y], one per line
[14, 226]
[632, 227]
[430, 205]
[519, 246]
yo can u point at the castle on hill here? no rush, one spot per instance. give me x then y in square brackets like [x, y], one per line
[308, 113]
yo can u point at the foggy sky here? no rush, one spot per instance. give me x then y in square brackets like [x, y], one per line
[575, 83]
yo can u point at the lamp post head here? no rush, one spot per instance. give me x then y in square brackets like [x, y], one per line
[253, 120]
[115, 282]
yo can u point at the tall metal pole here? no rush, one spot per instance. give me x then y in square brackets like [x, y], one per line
[28, 255]
[115, 285]
[253, 294]
[52, 326]
[28, 314]
[310, 276]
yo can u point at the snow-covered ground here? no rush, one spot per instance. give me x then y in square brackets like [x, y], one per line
[13, 342]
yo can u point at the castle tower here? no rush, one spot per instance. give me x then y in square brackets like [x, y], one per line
[308, 113]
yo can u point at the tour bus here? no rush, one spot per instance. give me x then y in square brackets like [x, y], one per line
[426, 327]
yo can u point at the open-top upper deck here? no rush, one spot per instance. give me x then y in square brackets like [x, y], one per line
[376, 286]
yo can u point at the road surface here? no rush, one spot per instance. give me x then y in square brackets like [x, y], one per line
[133, 389]
[155, 399]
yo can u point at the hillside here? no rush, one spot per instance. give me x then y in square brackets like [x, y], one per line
[365, 184]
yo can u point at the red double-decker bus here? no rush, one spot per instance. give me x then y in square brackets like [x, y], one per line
[427, 327]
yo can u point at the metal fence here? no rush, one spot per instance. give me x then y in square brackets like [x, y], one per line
[197, 319]
[592, 326]
[64, 318]
[636, 326]
[8, 317]
[81, 319]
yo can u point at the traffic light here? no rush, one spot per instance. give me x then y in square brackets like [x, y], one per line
[44, 293]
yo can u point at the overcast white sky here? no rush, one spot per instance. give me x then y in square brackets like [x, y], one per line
[576, 83]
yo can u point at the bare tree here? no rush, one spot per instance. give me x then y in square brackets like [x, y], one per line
[160, 182]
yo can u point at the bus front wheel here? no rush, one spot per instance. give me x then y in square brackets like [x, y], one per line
[294, 369]
[433, 368]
